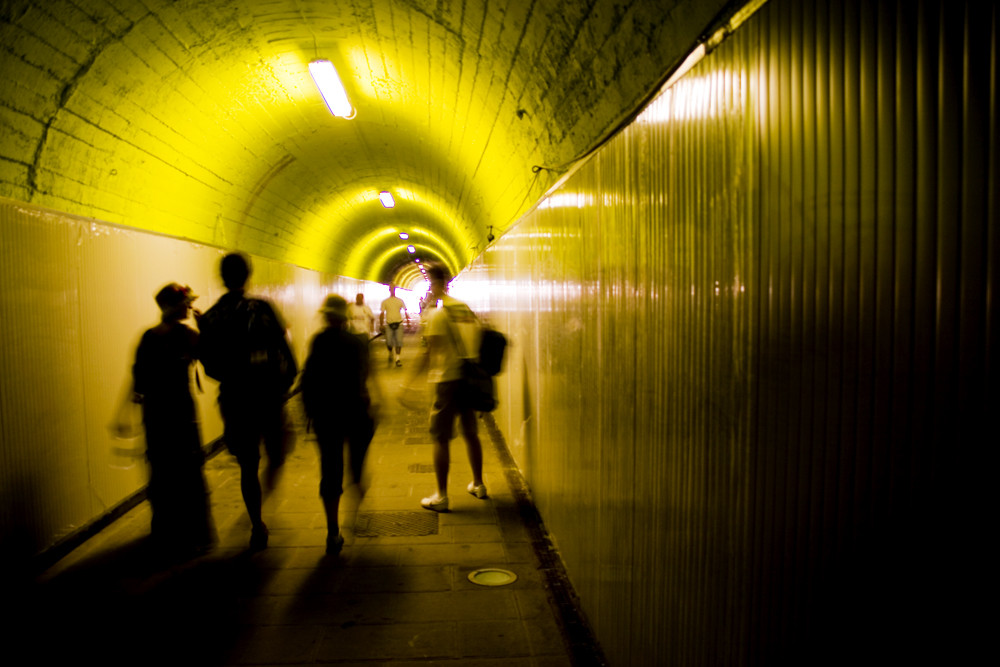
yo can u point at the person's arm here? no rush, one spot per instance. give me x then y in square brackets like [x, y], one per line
[419, 369]
[376, 393]
[290, 365]
[139, 371]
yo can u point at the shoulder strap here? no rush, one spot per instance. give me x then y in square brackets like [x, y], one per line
[457, 340]
[459, 347]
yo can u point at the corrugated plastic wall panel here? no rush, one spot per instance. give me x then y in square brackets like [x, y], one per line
[750, 373]
[79, 295]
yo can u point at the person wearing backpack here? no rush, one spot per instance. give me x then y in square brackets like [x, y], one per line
[244, 346]
[453, 335]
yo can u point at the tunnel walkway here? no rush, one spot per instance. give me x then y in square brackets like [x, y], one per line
[398, 594]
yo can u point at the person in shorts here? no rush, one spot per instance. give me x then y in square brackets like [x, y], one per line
[453, 333]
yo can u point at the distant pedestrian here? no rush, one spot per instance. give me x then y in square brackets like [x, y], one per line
[161, 376]
[453, 334]
[337, 402]
[245, 347]
[391, 318]
[361, 320]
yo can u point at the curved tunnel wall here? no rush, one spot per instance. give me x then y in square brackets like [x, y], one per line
[751, 342]
[200, 120]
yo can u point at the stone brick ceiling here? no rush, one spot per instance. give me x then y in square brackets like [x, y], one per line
[198, 118]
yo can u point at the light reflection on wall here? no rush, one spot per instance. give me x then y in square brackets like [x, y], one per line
[566, 200]
[711, 96]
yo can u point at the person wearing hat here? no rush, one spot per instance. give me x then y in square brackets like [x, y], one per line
[337, 403]
[161, 376]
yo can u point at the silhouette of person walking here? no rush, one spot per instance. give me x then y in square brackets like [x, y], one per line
[244, 346]
[336, 399]
[452, 330]
[162, 385]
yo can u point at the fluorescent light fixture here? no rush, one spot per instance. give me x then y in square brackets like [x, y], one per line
[386, 198]
[325, 75]
[417, 260]
[404, 235]
[410, 248]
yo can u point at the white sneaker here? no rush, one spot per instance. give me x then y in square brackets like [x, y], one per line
[477, 491]
[436, 502]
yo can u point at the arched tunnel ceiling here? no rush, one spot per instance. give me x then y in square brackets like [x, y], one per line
[198, 118]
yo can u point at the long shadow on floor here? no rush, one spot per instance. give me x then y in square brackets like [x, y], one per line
[131, 605]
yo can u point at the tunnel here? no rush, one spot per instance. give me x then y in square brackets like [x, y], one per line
[745, 255]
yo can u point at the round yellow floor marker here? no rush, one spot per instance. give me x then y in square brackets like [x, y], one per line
[491, 576]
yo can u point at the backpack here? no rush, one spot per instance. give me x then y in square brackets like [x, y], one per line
[243, 341]
[479, 392]
[492, 346]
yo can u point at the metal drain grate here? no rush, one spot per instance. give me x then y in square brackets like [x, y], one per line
[396, 524]
[421, 467]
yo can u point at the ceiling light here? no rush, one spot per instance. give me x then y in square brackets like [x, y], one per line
[417, 260]
[410, 248]
[404, 235]
[325, 75]
[386, 197]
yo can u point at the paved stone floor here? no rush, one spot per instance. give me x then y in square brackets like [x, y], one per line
[399, 593]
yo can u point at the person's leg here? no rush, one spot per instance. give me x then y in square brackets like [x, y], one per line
[392, 342]
[277, 437]
[442, 426]
[361, 429]
[252, 498]
[242, 438]
[470, 431]
[442, 462]
[359, 439]
[198, 529]
[250, 487]
[330, 440]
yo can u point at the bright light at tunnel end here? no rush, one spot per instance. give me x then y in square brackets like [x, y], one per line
[325, 75]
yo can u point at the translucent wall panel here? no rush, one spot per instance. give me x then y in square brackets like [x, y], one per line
[751, 342]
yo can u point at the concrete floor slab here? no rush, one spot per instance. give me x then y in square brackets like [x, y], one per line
[389, 600]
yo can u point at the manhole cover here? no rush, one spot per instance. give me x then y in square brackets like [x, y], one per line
[492, 576]
[396, 524]
[421, 467]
